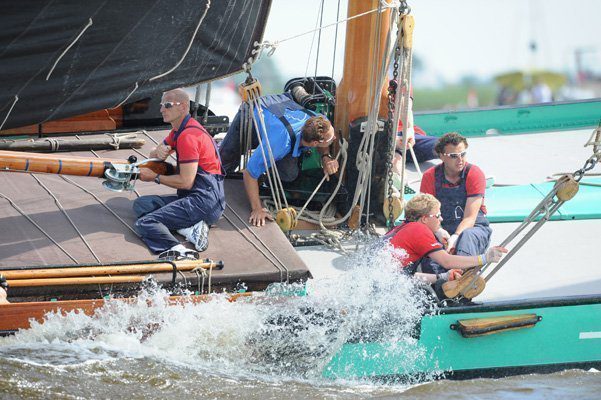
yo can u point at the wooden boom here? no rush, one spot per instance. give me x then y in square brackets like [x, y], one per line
[45, 273]
[17, 161]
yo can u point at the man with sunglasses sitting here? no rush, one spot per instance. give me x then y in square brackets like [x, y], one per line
[460, 188]
[200, 198]
[290, 129]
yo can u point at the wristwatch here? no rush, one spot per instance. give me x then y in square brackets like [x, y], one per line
[157, 179]
[327, 155]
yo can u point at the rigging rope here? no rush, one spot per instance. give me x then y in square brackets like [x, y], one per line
[9, 111]
[406, 39]
[564, 190]
[101, 203]
[335, 39]
[275, 183]
[317, 30]
[273, 45]
[126, 97]
[23, 213]
[366, 146]
[280, 266]
[85, 28]
[189, 45]
[62, 209]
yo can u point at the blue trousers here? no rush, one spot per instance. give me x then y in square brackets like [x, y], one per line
[423, 148]
[159, 215]
[471, 242]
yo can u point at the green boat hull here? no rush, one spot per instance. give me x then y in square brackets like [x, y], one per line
[567, 334]
[544, 117]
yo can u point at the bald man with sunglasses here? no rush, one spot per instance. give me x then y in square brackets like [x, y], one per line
[200, 198]
[460, 187]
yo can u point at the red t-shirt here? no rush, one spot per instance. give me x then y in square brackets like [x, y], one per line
[417, 240]
[195, 145]
[475, 183]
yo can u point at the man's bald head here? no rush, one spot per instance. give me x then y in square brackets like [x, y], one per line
[178, 95]
[175, 105]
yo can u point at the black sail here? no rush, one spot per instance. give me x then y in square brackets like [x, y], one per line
[64, 58]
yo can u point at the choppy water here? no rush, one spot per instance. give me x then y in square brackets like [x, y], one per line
[271, 348]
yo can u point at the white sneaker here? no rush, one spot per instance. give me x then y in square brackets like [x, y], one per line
[197, 234]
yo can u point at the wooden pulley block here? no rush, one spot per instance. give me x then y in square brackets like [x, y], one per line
[354, 220]
[397, 208]
[286, 219]
[474, 289]
[465, 286]
[251, 88]
[567, 187]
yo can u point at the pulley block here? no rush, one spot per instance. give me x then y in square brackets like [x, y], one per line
[567, 187]
[286, 219]
[397, 207]
[250, 89]
[469, 285]
[354, 221]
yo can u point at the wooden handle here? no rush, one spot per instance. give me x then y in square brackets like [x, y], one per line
[160, 167]
[408, 24]
[184, 265]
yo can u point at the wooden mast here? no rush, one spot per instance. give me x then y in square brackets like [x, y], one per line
[353, 94]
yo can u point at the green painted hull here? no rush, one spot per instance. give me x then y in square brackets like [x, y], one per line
[513, 120]
[567, 336]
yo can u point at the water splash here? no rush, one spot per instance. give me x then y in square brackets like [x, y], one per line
[271, 336]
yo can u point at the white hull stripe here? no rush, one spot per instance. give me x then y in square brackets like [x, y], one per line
[589, 335]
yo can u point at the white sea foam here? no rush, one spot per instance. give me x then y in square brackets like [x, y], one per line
[271, 336]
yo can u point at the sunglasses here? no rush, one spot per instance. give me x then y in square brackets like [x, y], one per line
[455, 156]
[328, 140]
[438, 216]
[170, 104]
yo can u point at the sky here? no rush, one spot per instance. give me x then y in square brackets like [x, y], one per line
[453, 38]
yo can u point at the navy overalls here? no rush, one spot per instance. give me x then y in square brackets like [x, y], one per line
[423, 149]
[276, 105]
[159, 215]
[472, 241]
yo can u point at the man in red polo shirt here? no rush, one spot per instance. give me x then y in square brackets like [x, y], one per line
[200, 198]
[460, 187]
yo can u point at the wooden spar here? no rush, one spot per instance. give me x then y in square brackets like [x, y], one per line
[19, 315]
[55, 145]
[55, 164]
[83, 280]
[353, 93]
[183, 265]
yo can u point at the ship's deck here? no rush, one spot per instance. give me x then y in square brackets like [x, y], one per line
[253, 256]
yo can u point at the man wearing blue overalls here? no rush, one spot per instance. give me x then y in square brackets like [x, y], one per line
[290, 130]
[460, 188]
[200, 198]
[417, 139]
